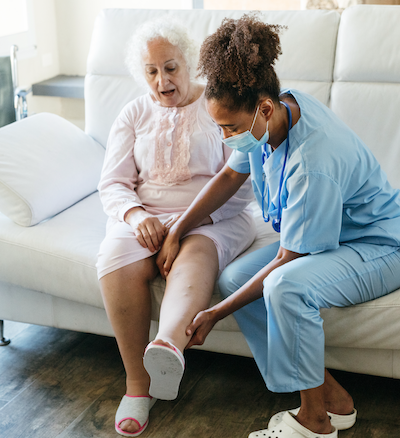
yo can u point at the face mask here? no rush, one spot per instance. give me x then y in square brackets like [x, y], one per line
[246, 142]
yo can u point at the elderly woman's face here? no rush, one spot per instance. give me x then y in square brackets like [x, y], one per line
[166, 73]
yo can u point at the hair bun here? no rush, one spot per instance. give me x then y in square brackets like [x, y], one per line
[241, 53]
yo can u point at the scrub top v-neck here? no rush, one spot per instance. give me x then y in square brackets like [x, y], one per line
[333, 192]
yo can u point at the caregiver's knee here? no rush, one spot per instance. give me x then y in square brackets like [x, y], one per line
[282, 286]
[229, 281]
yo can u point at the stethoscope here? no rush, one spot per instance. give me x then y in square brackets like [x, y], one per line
[276, 223]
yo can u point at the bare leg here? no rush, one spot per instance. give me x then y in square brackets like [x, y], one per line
[190, 285]
[337, 399]
[312, 414]
[127, 301]
[330, 396]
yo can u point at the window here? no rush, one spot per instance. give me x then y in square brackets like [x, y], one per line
[17, 27]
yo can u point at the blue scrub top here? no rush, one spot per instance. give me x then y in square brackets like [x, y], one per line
[334, 191]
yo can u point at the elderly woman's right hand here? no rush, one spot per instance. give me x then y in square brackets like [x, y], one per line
[149, 231]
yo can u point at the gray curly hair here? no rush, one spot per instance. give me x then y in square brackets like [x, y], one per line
[164, 27]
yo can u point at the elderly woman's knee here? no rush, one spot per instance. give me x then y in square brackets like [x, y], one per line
[131, 276]
[197, 244]
[197, 252]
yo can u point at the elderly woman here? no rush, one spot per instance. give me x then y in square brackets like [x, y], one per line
[324, 192]
[162, 150]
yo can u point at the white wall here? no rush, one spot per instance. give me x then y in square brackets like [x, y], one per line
[75, 20]
[63, 33]
[46, 62]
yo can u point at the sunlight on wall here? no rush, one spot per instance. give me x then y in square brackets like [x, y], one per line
[261, 5]
[75, 20]
[13, 17]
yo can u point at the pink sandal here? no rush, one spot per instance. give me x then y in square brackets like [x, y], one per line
[165, 366]
[136, 409]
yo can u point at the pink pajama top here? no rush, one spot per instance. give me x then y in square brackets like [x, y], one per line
[159, 158]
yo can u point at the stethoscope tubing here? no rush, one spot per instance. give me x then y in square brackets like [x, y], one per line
[276, 223]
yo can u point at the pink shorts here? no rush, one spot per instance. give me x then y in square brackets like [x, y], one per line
[121, 248]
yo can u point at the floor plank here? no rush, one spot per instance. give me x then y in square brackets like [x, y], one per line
[65, 384]
[29, 354]
[14, 328]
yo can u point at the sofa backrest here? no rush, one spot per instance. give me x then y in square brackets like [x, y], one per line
[349, 62]
[366, 89]
[307, 62]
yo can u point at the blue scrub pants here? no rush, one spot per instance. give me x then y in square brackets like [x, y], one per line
[284, 328]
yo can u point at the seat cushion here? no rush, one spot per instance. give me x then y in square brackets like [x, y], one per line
[58, 257]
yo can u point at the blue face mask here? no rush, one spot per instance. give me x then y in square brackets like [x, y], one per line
[246, 142]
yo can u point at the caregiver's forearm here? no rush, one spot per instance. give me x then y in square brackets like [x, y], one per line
[214, 194]
[253, 289]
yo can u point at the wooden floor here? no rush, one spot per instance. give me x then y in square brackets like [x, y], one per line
[58, 383]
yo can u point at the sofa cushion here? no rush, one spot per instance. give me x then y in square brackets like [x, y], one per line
[59, 256]
[367, 81]
[362, 56]
[47, 164]
[306, 64]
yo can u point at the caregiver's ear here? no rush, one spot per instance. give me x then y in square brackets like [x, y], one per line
[267, 108]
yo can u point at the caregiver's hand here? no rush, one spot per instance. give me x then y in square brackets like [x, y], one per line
[171, 220]
[149, 231]
[168, 253]
[171, 245]
[200, 327]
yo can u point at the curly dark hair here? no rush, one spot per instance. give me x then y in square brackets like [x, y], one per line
[238, 62]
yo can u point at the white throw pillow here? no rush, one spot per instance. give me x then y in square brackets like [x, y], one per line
[47, 164]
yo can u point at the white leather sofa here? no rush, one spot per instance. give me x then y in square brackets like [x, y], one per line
[351, 62]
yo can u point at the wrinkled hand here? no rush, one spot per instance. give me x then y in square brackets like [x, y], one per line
[200, 327]
[167, 254]
[149, 231]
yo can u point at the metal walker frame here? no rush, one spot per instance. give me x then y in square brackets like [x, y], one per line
[20, 93]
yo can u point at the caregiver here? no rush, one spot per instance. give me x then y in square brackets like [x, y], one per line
[323, 190]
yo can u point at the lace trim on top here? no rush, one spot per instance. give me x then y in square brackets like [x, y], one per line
[168, 158]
